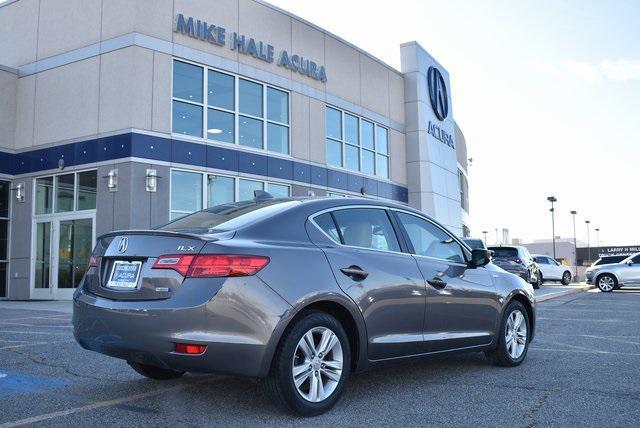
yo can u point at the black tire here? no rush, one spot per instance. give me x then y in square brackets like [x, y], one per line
[500, 356]
[606, 278]
[566, 278]
[538, 282]
[280, 384]
[153, 372]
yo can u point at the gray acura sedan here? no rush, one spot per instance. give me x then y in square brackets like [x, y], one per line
[300, 292]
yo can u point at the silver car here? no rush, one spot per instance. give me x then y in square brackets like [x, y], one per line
[612, 276]
[300, 292]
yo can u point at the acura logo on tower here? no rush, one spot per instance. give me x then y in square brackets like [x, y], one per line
[438, 93]
[122, 246]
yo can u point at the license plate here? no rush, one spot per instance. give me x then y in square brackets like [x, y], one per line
[124, 274]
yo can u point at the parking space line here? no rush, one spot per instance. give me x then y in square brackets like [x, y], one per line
[3, 348]
[36, 325]
[48, 333]
[36, 318]
[578, 351]
[97, 405]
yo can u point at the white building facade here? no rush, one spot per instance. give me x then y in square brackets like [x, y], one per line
[118, 114]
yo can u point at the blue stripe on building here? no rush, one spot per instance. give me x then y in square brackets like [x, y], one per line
[154, 148]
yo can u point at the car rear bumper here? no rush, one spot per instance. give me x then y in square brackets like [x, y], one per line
[236, 326]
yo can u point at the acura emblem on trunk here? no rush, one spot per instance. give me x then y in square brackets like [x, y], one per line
[122, 246]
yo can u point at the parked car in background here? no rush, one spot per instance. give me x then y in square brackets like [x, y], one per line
[516, 259]
[552, 270]
[300, 292]
[612, 276]
[607, 260]
[474, 243]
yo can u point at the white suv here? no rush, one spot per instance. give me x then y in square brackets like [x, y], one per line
[613, 276]
[552, 270]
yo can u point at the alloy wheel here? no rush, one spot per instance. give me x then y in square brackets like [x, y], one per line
[317, 364]
[516, 334]
[606, 283]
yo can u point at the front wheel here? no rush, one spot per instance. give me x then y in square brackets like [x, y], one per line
[153, 372]
[566, 278]
[607, 283]
[311, 366]
[513, 337]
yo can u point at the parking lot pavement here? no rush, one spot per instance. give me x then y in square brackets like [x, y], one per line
[554, 290]
[582, 369]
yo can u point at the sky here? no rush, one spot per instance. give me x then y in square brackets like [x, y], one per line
[547, 94]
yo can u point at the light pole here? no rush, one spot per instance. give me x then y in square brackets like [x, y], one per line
[588, 241]
[598, 238]
[575, 242]
[484, 232]
[553, 199]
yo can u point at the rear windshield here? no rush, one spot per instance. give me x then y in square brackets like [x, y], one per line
[226, 217]
[609, 259]
[504, 252]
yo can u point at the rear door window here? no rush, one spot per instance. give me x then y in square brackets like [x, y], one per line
[429, 240]
[362, 227]
[326, 223]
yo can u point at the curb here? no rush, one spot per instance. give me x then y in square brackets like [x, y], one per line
[564, 293]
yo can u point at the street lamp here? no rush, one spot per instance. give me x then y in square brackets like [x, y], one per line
[485, 237]
[553, 199]
[575, 241]
[598, 238]
[588, 240]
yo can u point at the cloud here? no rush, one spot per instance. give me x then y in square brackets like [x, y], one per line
[617, 70]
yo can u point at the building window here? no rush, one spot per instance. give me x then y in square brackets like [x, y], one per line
[356, 143]
[463, 186]
[238, 110]
[68, 192]
[5, 198]
[187, 194]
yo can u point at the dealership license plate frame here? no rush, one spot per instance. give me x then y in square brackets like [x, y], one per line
[124, 284]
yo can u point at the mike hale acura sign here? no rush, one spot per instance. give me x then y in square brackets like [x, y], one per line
[217, 35]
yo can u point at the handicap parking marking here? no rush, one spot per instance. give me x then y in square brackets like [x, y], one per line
[12, 383]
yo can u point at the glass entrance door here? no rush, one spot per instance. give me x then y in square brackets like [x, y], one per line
[62, 247]
[75, 242]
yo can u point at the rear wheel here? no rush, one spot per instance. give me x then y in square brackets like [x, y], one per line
[607, 283]
[566, 278]
[311, 366]
[538, 282]
[513, 337]
[153, 372]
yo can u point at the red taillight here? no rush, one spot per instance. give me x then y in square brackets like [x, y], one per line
[177, 262]
[94, 261]
[189, 348]
[212, 265]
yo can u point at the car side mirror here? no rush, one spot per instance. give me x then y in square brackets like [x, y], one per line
[479, 257]
[630, 262]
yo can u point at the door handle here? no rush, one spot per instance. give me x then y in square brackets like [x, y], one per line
[436, 283]
[355, 272]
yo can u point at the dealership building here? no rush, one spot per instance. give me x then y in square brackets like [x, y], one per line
[119, 114]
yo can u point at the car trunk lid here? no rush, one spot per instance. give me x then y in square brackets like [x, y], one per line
[122, 263]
